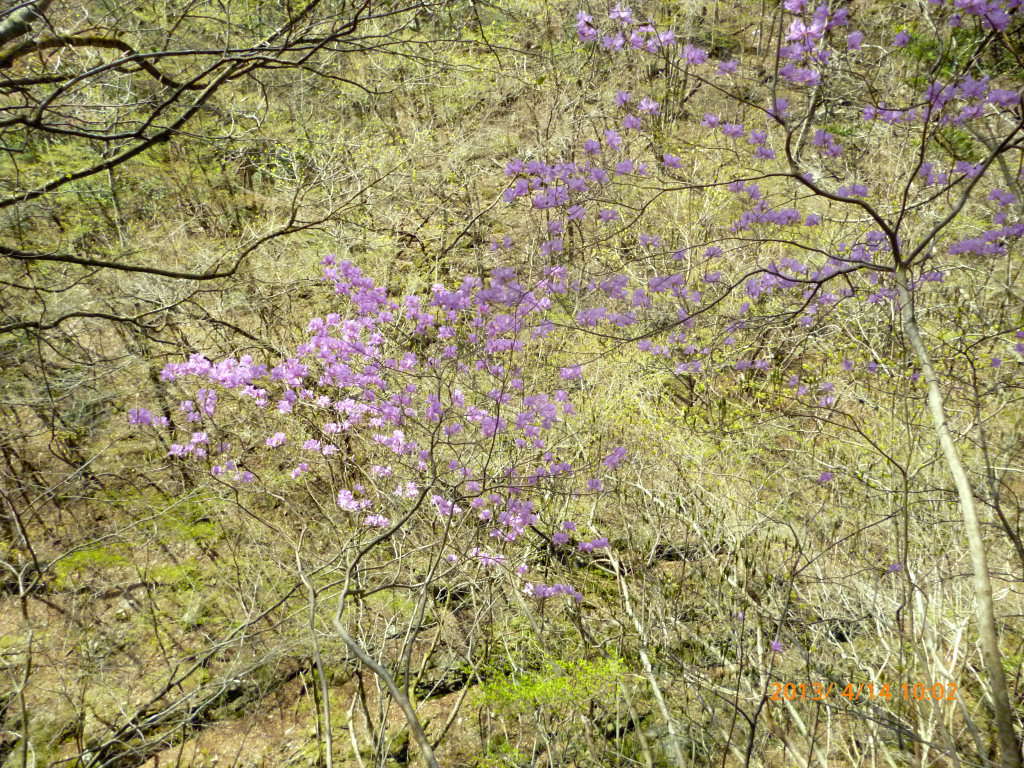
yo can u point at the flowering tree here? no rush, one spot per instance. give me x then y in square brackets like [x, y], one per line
[813, 241]
[452, 450]
[453, 433]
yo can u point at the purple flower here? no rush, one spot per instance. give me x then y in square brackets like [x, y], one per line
[620, 14]
[825, 477]
[613, 459]
[140, 416]
[631, 122]
[591, 147]
[808, 76]
[607, 214]
[971, 88]
[490, 425]
[853, 40]
[560, 538]
[1002, 97]
[649, 106]
[727, 67]
[613, 139]
[901, 39]
[622, 97]
[781, 108]
[624, 168]
[732, 130]
[586, 32]
[571, 372]
[996, 362]
[671, 161]
[554, 245]
[967, 169]
[1003, 198]
[854, 190]
[776, 646]
[377, 521]
[813, 220]
[694, 55]
[709, 121]
[279, 438]
[841, 19]
[895, 568]
[806, 36]
[348, 502]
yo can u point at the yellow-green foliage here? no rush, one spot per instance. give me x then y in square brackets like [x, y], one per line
[563, 687]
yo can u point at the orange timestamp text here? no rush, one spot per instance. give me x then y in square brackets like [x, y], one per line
[862, 692]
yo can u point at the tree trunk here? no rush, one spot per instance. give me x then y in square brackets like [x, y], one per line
[1009, 750]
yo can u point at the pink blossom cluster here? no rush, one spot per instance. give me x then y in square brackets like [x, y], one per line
[456, 395]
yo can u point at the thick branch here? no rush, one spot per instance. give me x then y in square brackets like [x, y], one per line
[93, 41]
[67, 258]
[415, 727]
[39, 325]
[20, 22]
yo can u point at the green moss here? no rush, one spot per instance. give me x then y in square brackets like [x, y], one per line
[90, 560]
[183, 576]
